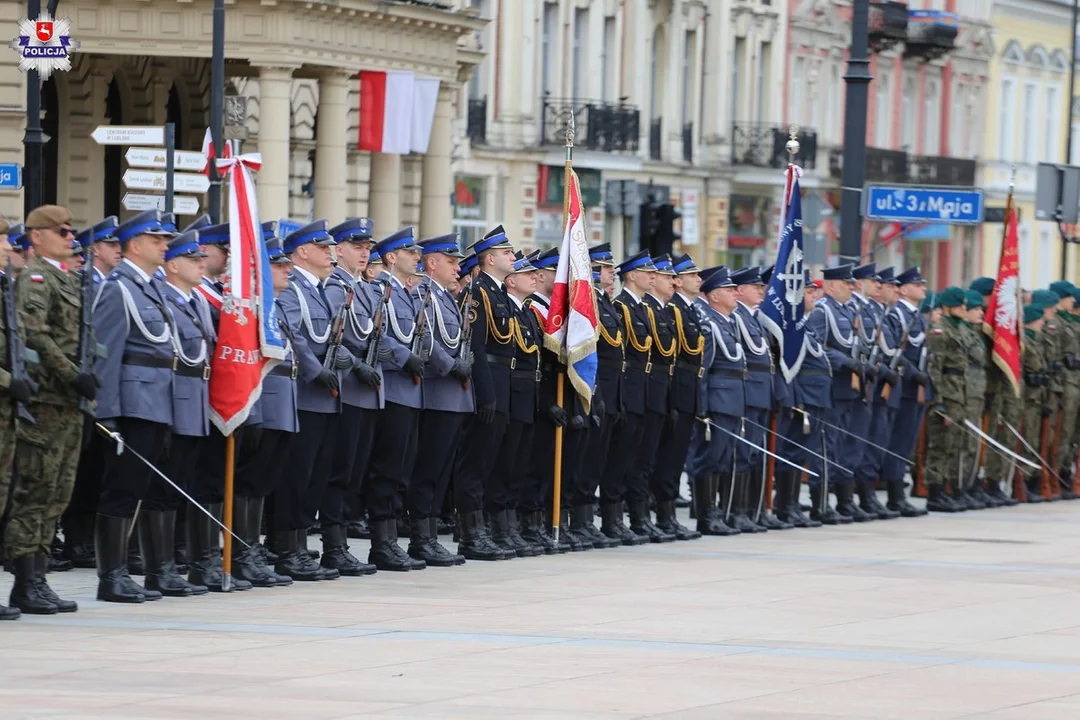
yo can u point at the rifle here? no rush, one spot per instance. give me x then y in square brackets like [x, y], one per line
[894, 364]
[337, 332]
[466, 341]
[421, 328]
[87, 343]
[856, 351]
[377, 325]
[924, 360]
[16, 358]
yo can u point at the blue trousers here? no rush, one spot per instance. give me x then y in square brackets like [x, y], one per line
[748, 459]
[905, 433]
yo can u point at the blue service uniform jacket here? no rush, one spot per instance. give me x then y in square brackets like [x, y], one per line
[638, 335]
[307, 312]
[610, 354]
[723, 391]
[399, 385]
[443, 345]
[835, 323]
[358, 333]
[662, 329]
[277, 404]
[193, 331]
[900, 316]
[131, 390]
[812, 386]
[759, 365]
[525, 377]
[691, 330]
[494, 350]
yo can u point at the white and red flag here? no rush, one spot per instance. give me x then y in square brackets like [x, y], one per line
[397, 111]
[570, 329]
[1004, 311]
[250, 342]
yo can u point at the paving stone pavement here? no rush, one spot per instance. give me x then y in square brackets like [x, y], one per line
[967, 616]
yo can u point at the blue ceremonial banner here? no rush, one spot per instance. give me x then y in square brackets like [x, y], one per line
[781, 312]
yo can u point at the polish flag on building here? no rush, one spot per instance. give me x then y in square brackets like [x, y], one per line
[570, 328]
[397, 110]
[208, 150]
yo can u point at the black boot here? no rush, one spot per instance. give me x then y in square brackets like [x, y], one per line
[568, 540]
[868, 501]
[79, 540]
[795, 514]
[202, 570]
[845, 503]
[613, 526]
[291, 562]
[821, 511]
[259, 554]
[218, 510]
[433, 529]
[936, 500]
[42, 566]
[755, 505]
[521, 547]
[898, 500]
[246, 562]
[993, 489]
[385, 553]
[156, 542]
[740, 505]
[534, 532]
[336, 555]
[9, 613]
[641, 524]
[500, 534]
[667, 521]
[709, 521]
[771, 520]
[475, 543]
[134, 558]
[26, 593]
[423, 545]
[578, 516]
[111, 550]
[600, 541]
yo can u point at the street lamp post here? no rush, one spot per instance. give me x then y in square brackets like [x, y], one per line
[857, 80]
[217, 101]
[34, 138]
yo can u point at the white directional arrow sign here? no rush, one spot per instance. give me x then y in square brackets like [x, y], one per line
[129, 135]
[182, 182]
[141, 157]
[182, 204]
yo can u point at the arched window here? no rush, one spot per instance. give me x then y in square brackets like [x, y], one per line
[907, 139]
[883, 111]
[656, 73]
[1013, 53]
[932, 119]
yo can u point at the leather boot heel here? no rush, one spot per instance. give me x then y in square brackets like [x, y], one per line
[26, 594]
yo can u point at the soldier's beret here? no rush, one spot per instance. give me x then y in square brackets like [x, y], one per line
[984, 285]
[48, 216]
[1062, 288]
[1044, 298]
[974, 299]
[952, 297]
[1032, 313]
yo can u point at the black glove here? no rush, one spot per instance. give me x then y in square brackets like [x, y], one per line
[598, 406]
[252, 436]
[1045, 411]
[888, 375]
[344, 360]
[461, 370]
[1070, 361]
[367, 375]
[919, 377]
[871, 370]
[86, 384]
[620, 417]
[597, 420]
[486, 413]
[849, 363]
[1056, 367]
[577, 423]
[415, 365]
[329, 380]
[19, 390]
[557, 415]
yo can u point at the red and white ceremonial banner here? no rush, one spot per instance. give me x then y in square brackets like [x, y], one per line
[1004, 308]
[397, 111]
[209, 153]
[570, 328]
[250, 342]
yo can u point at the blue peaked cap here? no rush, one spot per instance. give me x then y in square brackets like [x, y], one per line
[444, 244]
[148, 222]
[601, 254]
[275, 250]
[838, 272]
[716, 277]
[549, 259]
[467, 266]
[746, 276]
[496, 238]
[353, 229]
[640, 261]
[215, 235]
[315, 232]
[911, 276]
[185, 244]
[685, 265]
[103, 231]
[401, 240]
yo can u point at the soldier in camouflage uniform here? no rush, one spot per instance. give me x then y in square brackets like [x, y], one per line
[48, 304]
[948, 370]
[1070, 398]
[978, 356]
[1002, 405]
[1036, 405]
[1053, 340]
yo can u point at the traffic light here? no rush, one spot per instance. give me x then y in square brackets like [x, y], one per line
[649, 229]
[665, 234]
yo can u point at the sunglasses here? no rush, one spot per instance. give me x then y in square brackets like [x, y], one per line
[61, 231]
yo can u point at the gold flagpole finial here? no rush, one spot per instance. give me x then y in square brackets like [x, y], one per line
[793, 146]
[571, 127]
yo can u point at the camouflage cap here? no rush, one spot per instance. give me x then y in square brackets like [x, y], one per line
[48, 216]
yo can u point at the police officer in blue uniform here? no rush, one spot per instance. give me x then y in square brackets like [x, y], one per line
[494, 354]
[78, 518]
[391, 463]
[448, 402]
[908, 324]
[721, 406]
[361, 394]
[308, 313]
[136, 397]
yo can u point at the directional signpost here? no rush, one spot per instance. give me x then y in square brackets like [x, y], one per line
[141, 157]
[910, 203]
[129, 135]
[182, 204]
[150, 180]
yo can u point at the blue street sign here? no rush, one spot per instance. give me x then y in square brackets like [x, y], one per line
[10, 176]
[904, 203]
[286, 226]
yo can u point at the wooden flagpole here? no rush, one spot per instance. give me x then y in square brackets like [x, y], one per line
[227, 514]
[560, 377]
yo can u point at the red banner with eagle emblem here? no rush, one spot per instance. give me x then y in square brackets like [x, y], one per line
[1003, 307]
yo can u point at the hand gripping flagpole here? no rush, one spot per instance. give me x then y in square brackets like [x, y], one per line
[560, 377]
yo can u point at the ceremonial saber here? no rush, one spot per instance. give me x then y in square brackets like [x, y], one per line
[1030, 449]
[967, 424]
[786, 439]
[861, 439]
[741, 439]
[122, 446]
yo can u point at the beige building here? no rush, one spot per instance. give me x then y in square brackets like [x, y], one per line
[146, 62]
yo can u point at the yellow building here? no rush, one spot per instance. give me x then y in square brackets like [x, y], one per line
[1026, 123]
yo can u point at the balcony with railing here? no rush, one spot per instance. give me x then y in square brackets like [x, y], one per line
[477, 121]
[888, 24]
[896, 166]
[931, 34]
[929, 170]
[601, 126]
[765, 145]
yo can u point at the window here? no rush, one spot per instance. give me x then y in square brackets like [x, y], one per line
[581, 28]
[1024, 233]
[957, 119]
[932, 120]
[764, 58]
[1053, 124]
[1029, 137]
[883, 135]
[478, 82]
[547, 48]
[688, 76]
[607, 61]
[907, 139]
[737, 78]
[655, 80]
[1006, 120]
[797, 81]
[833, 100]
